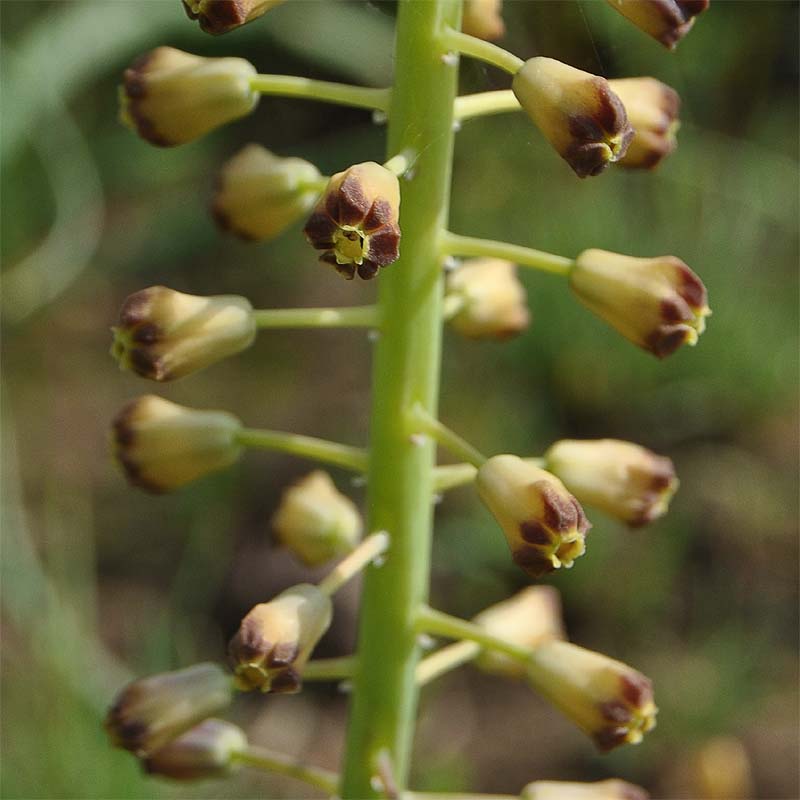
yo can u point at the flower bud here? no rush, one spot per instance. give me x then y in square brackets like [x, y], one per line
[527, 619]
[221, 16]
[258, 194]
[544, 524]
[623, 479]
[356, 221]
[150, 712]
[205, 751]
[170, 97]
[316, 521]
[577, 112]
[612, 789]
[483, 18]
[667, 21]
[163, 334]
[607, 699]
[652, 108]
[495, 303]
[275, 639]
[161, 445]
[657, 303]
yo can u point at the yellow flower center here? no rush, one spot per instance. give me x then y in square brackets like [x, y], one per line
[350, 245]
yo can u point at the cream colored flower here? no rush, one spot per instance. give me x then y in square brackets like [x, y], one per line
[221, 16]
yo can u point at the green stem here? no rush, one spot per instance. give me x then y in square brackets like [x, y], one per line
[421, 421]
[438, 623]
[340, 455]
[453, 303]
[455, 245]
[484, 51]
[372, 547]
[485, 103]
[270, 761]
[445, 660]
[325, 91]
[355, 317]
[450, 476]
[402, 162]
[405, 372]
[330, 669]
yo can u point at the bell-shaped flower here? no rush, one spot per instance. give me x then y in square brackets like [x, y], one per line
[667, 21]
[484, 19]
[221, 16]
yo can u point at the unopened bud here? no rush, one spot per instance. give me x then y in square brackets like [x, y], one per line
[221, 16]
[206, 751]
[612, 789]
[607, 699]
[527, 619]
[316, 521]
[543, 523]
[162, 445]
[577, 111]
[494, 300]
[652, 108]
[275, 639]
[150, 712]
[623, 479]
[259, 194]
[484, 19]
[356, 221]
[657, 303]
[170, 97]
[163, 334]
[721, 770]
[667, 21]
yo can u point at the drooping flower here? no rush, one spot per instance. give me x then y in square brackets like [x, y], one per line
[221, 16]
[667, 21]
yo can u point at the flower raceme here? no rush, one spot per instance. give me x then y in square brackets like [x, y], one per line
[316, 521]
[150, 712]
[258, 194]
[667, 21]
[221, 16]
[657, 303]
[652, 108]
[576, 111]
[275, 639]
[608, 700]
[162, 446]
[623, 479]
[170, 97]
[163, 334]
[544, 524]
[355, 221]
[611, 789]
[484, 19]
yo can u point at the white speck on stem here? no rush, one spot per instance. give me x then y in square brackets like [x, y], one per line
[373, 335]
[418, 439]
[450, 59]
[450, 263]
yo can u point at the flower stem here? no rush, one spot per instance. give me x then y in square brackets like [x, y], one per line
[484, 51]
[484, 103]
[405, 371]
[450, 476]
[329, 669]
[372, 547]
[455, 245]
[421, 421]
[402, 162]
[270, 761]
[355, 317]
[445, 660]
[340, 455]
[325, 91]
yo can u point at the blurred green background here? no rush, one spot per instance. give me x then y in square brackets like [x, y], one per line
[101, 582]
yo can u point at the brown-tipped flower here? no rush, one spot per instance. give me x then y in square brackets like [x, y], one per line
[170, 97]
[355, 221]
[544, 524]
[608, 700]
[657, 303]
[667, 21]
[652, 108]
[221, 16]
[206, 751]
[612, 789]
[162, 445]
[527, 619]
[163, 334]
[623, 479]
[577, 111]
[494, 301]
[275, 639]
[258, 194]
[316, 521]
[150, 712]
[484, 19]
